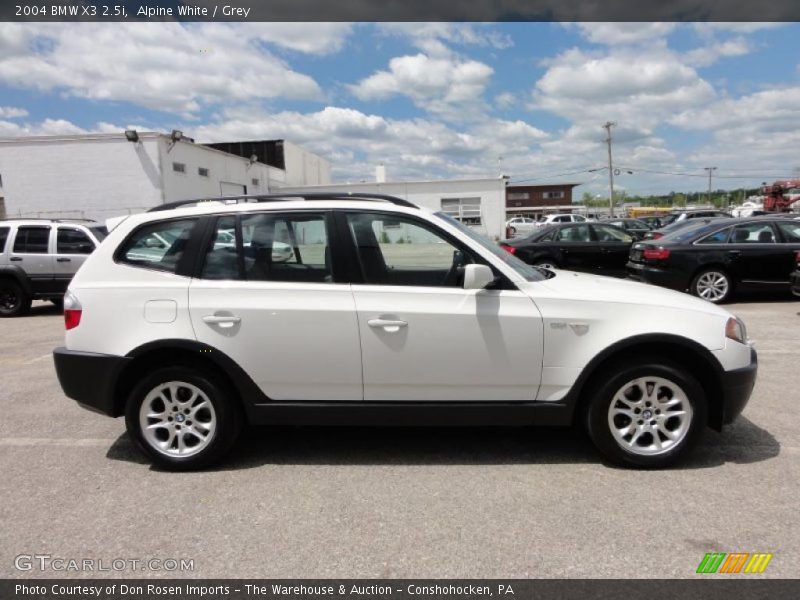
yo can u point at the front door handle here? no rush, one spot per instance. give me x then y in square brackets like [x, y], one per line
[734, 253]
[222, 320]
[15, 258]
[389, 325]
[63, 260]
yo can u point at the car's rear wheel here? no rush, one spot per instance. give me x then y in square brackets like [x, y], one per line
[13, 299]
[545, 263]
[713, 284]
[183, 418]
[648, 415]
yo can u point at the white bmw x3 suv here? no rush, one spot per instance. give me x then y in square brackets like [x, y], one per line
[194, 319]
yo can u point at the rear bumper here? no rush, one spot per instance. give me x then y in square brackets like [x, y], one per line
[737, 385]
[657, 276]
[89, 378]
[796, 283]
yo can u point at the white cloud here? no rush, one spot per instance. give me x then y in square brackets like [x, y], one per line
[46, 127]
[164, 66]
[12, 112]
[446, 85]
[707, 55]
[425, 34]
[613, 34]
[637, 88]
[505, 100]
[309, 38]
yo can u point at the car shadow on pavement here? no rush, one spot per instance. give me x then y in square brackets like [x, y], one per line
[43, 309]
[742, 443]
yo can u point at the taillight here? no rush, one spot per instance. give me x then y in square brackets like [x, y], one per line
[655, 254]
[509, 249]
[656, 235]
[72, 311]
[797, 257]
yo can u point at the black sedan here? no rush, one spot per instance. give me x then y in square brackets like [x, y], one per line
[636, 227]
[712, 260]
[590, 247]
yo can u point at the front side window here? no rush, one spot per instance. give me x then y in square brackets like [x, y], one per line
[609, 234]
[32, 240]
[789, 229]
[753, 233]
[158, 245]
[3, 237]
[578, 233]
[398, 251]
[73, 241]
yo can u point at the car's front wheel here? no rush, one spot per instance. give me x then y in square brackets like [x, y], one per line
[183, 419]
[545, 263]
[648, 415]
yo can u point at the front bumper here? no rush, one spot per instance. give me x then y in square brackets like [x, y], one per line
[737, 385]
[90, 378]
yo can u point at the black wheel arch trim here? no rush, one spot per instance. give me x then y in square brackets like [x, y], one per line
[17, 274]
[249, 393]
[710, 372]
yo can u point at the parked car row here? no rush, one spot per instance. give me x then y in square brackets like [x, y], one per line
[711, 257]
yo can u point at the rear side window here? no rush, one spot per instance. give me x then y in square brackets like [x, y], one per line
[609, 234]
[73, 241]
[31, 240]
[578, 233]
[270, 247]
[753, 233]
[3, 238]
[157, 246]
[790, 231]
[718, 237]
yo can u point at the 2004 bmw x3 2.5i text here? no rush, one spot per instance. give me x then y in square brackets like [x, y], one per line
[196, 318]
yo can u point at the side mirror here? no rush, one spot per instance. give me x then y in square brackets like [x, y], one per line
[477, 277]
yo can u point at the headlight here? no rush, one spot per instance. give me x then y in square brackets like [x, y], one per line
[735, 330]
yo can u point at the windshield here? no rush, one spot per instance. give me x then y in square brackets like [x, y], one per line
[669, 219]
[525, 270]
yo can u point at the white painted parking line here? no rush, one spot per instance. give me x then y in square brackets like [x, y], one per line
[35, 360]
[27, 441]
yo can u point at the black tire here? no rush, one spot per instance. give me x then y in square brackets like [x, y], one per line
[637, 452]
[512, 231]
[13, 299]
[545, 263]
[699, 285]
[226, 410]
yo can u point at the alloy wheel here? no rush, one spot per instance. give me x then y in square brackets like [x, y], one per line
[177, 419]
[649, 416]
[712, 286]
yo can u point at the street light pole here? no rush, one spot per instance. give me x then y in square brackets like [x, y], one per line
[710, 171]
[607, 126]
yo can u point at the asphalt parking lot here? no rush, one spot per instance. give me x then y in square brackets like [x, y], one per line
[305, 502]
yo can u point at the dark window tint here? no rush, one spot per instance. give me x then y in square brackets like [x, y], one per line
[407, 253]
[3, 238]
[99, 231]
[578, 233]
[32, 240]
[73, 241]
[609, 234]
[158, 245]
[222, 259]
[789, 229]
[270, 247]
[753, 233]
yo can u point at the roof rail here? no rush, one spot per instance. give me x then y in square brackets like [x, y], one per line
[288, 195]
[67, 220]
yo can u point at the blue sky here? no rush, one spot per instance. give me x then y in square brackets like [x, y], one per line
[433, 100]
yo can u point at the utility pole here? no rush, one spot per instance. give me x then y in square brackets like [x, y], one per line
[710, 171]
[607, 126]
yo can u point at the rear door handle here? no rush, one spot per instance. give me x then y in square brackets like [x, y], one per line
[63, 260]
[15, 259]
[734, 253]
[389, 325]
[222, 320]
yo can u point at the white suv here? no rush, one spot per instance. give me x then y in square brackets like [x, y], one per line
[334, 309]
[556, 219]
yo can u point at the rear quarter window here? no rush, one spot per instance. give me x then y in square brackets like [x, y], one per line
[3, 237]
[158, 246]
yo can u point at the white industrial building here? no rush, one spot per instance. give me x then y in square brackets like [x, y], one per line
[102, 175]
[479, 203]
[98, 176]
